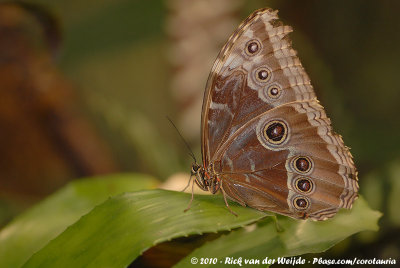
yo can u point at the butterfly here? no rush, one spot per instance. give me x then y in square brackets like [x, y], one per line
[267, 143]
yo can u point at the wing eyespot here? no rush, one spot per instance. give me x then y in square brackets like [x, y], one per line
[302, 164]
[301, 203]
[275, 132]
[262, 75]
[253, 47]
[304, 185]
[273, 91]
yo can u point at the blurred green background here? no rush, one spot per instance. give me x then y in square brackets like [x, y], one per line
[85, 88]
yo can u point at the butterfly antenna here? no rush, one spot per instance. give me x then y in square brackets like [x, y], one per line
[183, 140]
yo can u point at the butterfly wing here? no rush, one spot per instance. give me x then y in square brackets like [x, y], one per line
[261, 121]
[255, 171]
[233, 92]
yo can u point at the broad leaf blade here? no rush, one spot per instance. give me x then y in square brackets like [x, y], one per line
[119, 230]
[297, 238]
[35, 228]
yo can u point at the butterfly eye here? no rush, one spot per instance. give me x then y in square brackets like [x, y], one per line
[304, 185]
[301, 203]
[263, 74]
[302, 164]
[253, 47]
[276, 132]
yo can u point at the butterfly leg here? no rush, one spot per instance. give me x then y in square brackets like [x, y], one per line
[226, 201]
[191, 199]
[190, 179]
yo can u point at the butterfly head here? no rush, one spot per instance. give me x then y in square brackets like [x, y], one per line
[199, 176]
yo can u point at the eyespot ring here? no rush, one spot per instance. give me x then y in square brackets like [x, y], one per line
[273, 91]
[276, 132]
[253, 47]
[302, 164]
[304, 185]
[263, 74]
[301, 203]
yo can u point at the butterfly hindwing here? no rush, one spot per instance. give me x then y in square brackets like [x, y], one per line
[256, 167]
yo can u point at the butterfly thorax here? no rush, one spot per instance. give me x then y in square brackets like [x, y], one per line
[206, 179]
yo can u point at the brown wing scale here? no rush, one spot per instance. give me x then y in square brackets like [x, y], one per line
[264, 133]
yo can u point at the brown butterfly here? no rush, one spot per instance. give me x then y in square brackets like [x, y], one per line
[266, 141]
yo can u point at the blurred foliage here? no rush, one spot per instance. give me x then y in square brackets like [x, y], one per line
[114, 53]
[45, 138]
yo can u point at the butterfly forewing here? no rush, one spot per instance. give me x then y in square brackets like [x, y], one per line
[264, 134]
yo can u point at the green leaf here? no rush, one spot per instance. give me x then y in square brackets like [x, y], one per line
[35, 228]
[116, 232]
[298, 237]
